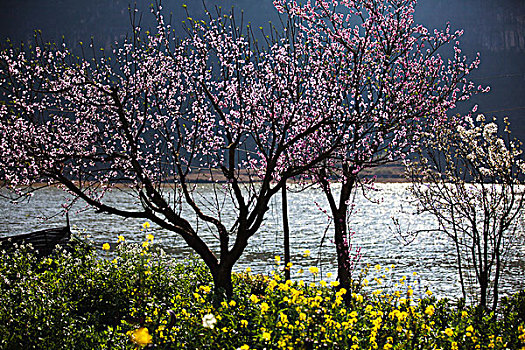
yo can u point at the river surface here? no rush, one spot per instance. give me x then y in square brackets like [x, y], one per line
[429, 255]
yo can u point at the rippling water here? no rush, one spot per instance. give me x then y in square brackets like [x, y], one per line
[430, 255]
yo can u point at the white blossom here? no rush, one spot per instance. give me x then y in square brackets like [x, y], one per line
[209, 321]
[485, 171]
[489, 130]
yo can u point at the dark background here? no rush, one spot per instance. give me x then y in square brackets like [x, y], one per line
[495, 28]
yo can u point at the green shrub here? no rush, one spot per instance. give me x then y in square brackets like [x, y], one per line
[83, 299]
[135, 295]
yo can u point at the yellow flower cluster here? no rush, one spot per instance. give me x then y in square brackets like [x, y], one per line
[284, 314]
[140, 336]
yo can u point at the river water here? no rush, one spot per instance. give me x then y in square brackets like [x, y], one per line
[380, 240]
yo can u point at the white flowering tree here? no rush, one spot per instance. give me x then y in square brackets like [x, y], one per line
[471, 180]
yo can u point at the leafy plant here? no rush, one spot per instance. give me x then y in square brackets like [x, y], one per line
[135, 296]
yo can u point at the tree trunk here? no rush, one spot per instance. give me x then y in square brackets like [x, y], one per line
[344, 274]
[286, 233]
[460, 266]
[495, 293]
[339, 213]
[483, 284]
[344, 266]
[222, 280]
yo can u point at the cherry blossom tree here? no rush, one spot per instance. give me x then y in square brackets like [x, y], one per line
[395, 84]
[159, 114]
[471, 181]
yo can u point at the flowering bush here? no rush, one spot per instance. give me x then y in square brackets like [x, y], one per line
[84, 298]
[133, 296]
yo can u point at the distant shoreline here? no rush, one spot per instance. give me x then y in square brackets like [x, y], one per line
[390, 173]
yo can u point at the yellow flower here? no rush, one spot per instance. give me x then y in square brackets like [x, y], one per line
[141, 336]
[149, 237]
[121, 238]
[358, 297]
[266, 336]
[334, 283]
[449, 332]
[245, 347]
[428, 292]
[244, 323]
[314, 270]
[470, 329]
[272, 285]
[146, 225]
[277, 259]
[205, 289]
[105, 246]
[283, 286]
[430, 310]
[306, 253]
[254, 299]
[329, 275]
[264, 307]
[377, 267]
[248, 269]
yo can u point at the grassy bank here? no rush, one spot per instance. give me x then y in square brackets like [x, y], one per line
[135, 296]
